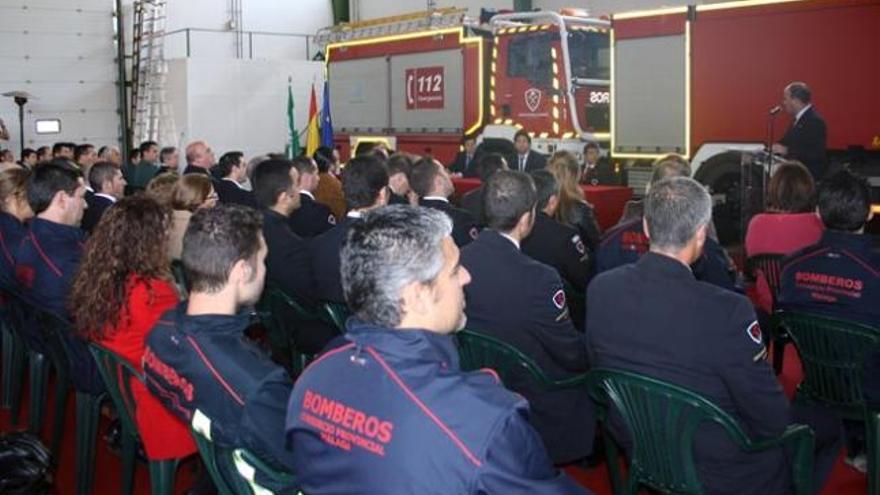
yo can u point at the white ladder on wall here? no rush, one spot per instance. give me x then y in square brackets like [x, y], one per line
[151, 116]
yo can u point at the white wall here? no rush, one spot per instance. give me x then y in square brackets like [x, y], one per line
[240, 104]
[371, 9]
[63, 53]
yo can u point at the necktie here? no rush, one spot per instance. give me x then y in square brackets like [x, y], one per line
[522, 162]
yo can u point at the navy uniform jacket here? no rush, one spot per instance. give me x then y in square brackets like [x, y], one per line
[806, 140]
[561, 247]
[627, 242]
[464, 165]
[45, 264]
[391, 412]
[231, 193]
[12, 232]
[838, 277]
[654, 318]
[205, 362]
[324, 250]
[464, 226]
[97, 206]
[521, 301]
[311, 218]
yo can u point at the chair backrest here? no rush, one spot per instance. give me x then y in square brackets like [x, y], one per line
[662, 420]
[281, 314]
[201, 432]
[337, 313]
[768, 266]
[832, 353]
[479, 351]
[117, 374]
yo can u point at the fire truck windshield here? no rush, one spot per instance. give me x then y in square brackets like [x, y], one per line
[529, 58]
[589, 52]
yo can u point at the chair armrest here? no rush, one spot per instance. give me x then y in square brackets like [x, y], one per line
[801, 443]
[570, 382]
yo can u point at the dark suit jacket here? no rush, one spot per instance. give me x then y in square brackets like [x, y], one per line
[288, 264]
[806, 140]
[233, 194]
[311, 218]
[97, 206]
[464, 227]
[561, 247]
[192, 169]
[534, 161]
[472, 201]
[521, 301]
[324, 250]
[463, 166]
[601, 174]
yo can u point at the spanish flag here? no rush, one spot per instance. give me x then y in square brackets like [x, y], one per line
[314, 139]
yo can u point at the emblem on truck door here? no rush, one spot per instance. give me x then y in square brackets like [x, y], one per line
[533, 98]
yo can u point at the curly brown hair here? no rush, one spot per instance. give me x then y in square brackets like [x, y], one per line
[129, 240]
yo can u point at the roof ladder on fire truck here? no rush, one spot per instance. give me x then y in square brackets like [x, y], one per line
[386, 26]
[150, 111]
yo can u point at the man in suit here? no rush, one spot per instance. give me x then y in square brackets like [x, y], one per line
[654, 318]
[466, 160]
[525, 159]
[199, 158]
[232, 171]
[311, 218]
[521, 301]
[365, 184]
[109, 185]
[805, 140]
[472, 201]
[431, 182]
[137, 175]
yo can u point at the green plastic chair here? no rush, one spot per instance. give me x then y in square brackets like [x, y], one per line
[663, 420]
[479, 351]
[15, 352]
[769, 267]
[832, 353]
[279, 312]
[336, 313]
[118, 374]
[245, 464]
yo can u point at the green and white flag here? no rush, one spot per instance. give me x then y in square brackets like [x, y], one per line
[293, 148]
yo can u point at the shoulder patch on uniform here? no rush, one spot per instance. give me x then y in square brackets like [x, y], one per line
[579, 244]
[331, 219]
[754, 331]
[559, 299]
[474, 232]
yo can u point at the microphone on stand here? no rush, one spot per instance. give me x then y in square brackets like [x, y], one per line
[775, 110]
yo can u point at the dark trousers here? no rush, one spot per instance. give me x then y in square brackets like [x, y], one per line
[828, 430]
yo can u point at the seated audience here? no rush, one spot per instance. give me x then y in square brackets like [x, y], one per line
[595, 170]
[411, 421]
[628, 241]
[110, 154]
[169, 159]
[121, 289]
[466, 160]
[472, 201]
[432, 184]
[199, 158]
[399, 169]
[311, 218]
[28, 158]
[573, 209]
[139, 174]
[329, 190]
[654, 318]
[44, 154]
[191, 193]
[14, 213]
[48, 256]
[232, 172]
[365, 183]
[553, 243]
[63, 150]
[108, 185]
[84, 155]
[789, 224]
[198, 361]
[161, 188]
[521, 301]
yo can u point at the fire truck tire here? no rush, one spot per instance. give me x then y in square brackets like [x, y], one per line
[722, 175]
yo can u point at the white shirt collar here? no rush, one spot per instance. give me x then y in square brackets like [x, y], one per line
[802, 112]
[511, 239]
[355, 214]
[435, 198]
[111, 198]
[89, 189]
[233, 181]
[307, 193]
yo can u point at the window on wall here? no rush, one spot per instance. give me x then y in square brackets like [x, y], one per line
[528, 56]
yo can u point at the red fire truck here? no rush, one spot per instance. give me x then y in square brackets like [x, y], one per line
[421, 83]
[701, 81]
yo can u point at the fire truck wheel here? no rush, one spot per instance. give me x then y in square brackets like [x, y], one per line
[722, 175]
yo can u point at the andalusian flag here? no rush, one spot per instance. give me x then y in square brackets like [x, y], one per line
[293, 148]
[314, 138]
